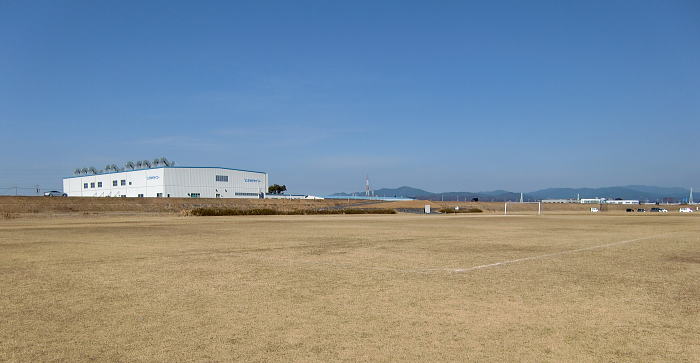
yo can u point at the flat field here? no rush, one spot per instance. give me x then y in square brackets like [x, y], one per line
[326, 288]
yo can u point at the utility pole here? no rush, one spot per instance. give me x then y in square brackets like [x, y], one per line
[367, 189]
[690, 199]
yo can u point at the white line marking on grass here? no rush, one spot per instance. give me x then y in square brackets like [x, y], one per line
[351, 266]
[547, 255]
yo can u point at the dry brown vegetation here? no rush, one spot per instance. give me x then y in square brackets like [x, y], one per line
[58, 205]
[336, 287]
[497, 207]
[218, 212]
[42, 206]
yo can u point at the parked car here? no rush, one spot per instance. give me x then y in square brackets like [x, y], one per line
[55, 193]
[686, 210]
[660, 210]
[629, 210]
[641, 210]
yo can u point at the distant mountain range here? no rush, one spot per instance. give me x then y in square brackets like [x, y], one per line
[639, 192]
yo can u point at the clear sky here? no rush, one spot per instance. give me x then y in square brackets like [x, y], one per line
[440, 95]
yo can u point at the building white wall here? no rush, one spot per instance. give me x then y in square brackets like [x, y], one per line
[175, 182]
[592, 200]
[129, 183]
[183, 182]
[626, 201]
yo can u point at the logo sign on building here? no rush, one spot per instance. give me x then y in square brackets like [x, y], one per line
[153, 177]
[252, 180]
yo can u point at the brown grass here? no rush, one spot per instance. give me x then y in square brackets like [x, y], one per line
[41, 206]
[218, 212]
[55, 205]
[327, 288]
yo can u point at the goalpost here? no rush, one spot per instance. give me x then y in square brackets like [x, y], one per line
[539, 206]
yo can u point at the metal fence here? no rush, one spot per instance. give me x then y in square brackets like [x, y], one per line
[23, 190]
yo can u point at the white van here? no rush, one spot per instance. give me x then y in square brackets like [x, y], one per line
[686, 210]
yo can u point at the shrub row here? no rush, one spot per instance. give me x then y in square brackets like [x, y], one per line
[452, 210]
[368, 211]
[207, 211]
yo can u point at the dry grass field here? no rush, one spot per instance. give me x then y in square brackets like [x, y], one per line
[369, 288]
[24, 206]
[13, 207]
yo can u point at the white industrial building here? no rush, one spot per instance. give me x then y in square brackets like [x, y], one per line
[592, 200]
[170, 182]
[622, 201]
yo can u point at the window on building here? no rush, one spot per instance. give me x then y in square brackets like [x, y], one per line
[222, 178]
[159, 195]
[85, 185]
[123, 182]
[140, 195]
[92, 185]
[194, 195]
[114, 183]
[247, 194]
[129, 183]
[99, 184]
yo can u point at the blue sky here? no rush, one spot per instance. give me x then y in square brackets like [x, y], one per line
[450, 95]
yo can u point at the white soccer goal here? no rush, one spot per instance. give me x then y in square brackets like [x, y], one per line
[505, 206]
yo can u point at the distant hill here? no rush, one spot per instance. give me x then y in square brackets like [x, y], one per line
[404, 191]
[639, 192]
